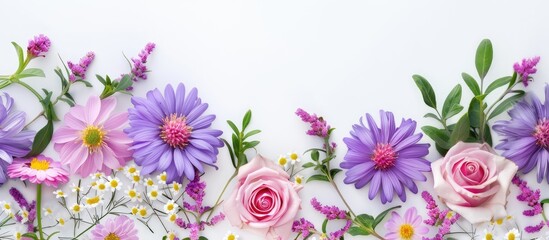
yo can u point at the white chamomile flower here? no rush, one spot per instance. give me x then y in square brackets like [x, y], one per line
[488, 235]
[6, 207]
[76, 208]
[18, 235]
[230, 236]
[100, 185]
[282, 161]
[142, 212]
[130, 170]
[47, 211]
[134, 210]
[24, 216]
[148, 182]
[172, 217]
[97, 175]
[136, 178]
[75, 187]
[294, 158]
[170, 207]
[114, 183]
[298, 179]
[154, 193]
[92, 202]
[175, 187]
[162, 178]
[513, 234]
[59, 194]
[61, 221]
[171, 235]
[133, 194]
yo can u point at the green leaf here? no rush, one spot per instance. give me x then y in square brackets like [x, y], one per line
[30, 235]
[365, 220]
[202, 238]
[461, 130]
[471, 83]
[475, 114]
[357, 231]
[68, 101]
[52, 234]
[88, 84]
[249, 145]
[308, 165]
[483, 58]
[454, 98]
[439, 136]
[488, 135]
[431, 115]
[426, 91]
[441, 150]
[334, 171]
[101, 79]
[544, 201]
[20, 55]
[251, 133]
[498, 83]
[124, 83]
[315, 155]
[230, 152]
[454, 111]
[236, 145]
[233, 127]
[513, 80]
[381, 216]
[31, 72]
[506, 104]
[324, 224]
[317, 177]
[246, 120]
[42, 139]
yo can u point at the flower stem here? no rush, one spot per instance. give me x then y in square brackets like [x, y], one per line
[329, 154]
[39, 210]
[30, 89]
[485, 119]
[342, 198]
[221, 194]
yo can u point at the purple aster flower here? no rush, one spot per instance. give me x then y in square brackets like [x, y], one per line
[170, 133]
[14, 141]
[387, 157]
[78, 71]
[526, 68]
[526, 135]
[40, 44]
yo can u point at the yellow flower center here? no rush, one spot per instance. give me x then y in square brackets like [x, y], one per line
[92, 137]
[298, 180]
[489, 236]
[150, 182]
[294, 156]
[282, 161]
[132, 170]
[135, 210]
[499, 221]
[7, 206]
[143, 212]
[170, 207]
[136, 178]
[61, 221]
[154, 194]
[231, 237]
[38, 164]
[511, 236]
[406, 231]
[132, 194]
[173, 217]
[101, 186]
[112, 236]
[176, 187]
[76, 208]
[114, 183]
[93, 200]
[164, 177]
[449, 214]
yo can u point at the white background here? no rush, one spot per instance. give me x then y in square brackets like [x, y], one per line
[339, 59]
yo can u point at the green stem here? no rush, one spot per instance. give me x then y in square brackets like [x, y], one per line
[29, 88]
[341, 196]
[39, 210]
[329, 154]
[221, 194]
[489, 110]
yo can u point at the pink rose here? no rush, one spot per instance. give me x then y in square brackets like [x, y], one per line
[264, 200]
[473, 181]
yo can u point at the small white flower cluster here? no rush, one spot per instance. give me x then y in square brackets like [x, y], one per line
[288, 162]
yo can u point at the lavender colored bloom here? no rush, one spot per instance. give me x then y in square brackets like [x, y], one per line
[139, 68]
[170, 133]
[24, 204]
[19, 199]
[319, 127]
[40, 44]
[331, 212]
[14, 141]
[339, 233]
[526, 135]
[388, 157]
[304, 227]
[434, 211]
[78, 71]
[526, 68]
[532, 198]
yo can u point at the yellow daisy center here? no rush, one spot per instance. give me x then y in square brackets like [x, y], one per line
[7, 206]
[282, 161]
[132, 170]
[170, 207]
[173, 217]
[135, 210]
[38, 164]
[150, 182]
[76, 208]
[293, 156]
[143, 212]
[61, 221]
[154, 194]
[92, 137]
[298, 180]
[101, 186]
[114, 183]
[132, 193]
[164, 177]
[93, 200]
[112, 236]
[176, 187]
[499, 221]
[406, 231]
[489, 236]
[231, 237]
[511, 236]
[136, 178]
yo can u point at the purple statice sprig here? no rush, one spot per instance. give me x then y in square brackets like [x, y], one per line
[139, 69]
[532, 199]
[24, 205]
[78, 70]
[444, 219]
[526, 68]
[38, 46]
[319, 126]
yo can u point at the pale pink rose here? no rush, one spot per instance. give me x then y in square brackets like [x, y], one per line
[473, 181]
[264, 200]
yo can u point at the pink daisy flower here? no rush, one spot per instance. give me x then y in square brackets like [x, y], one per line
[407, 228]
[118, 228]
[38, 170]
[92, 140]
